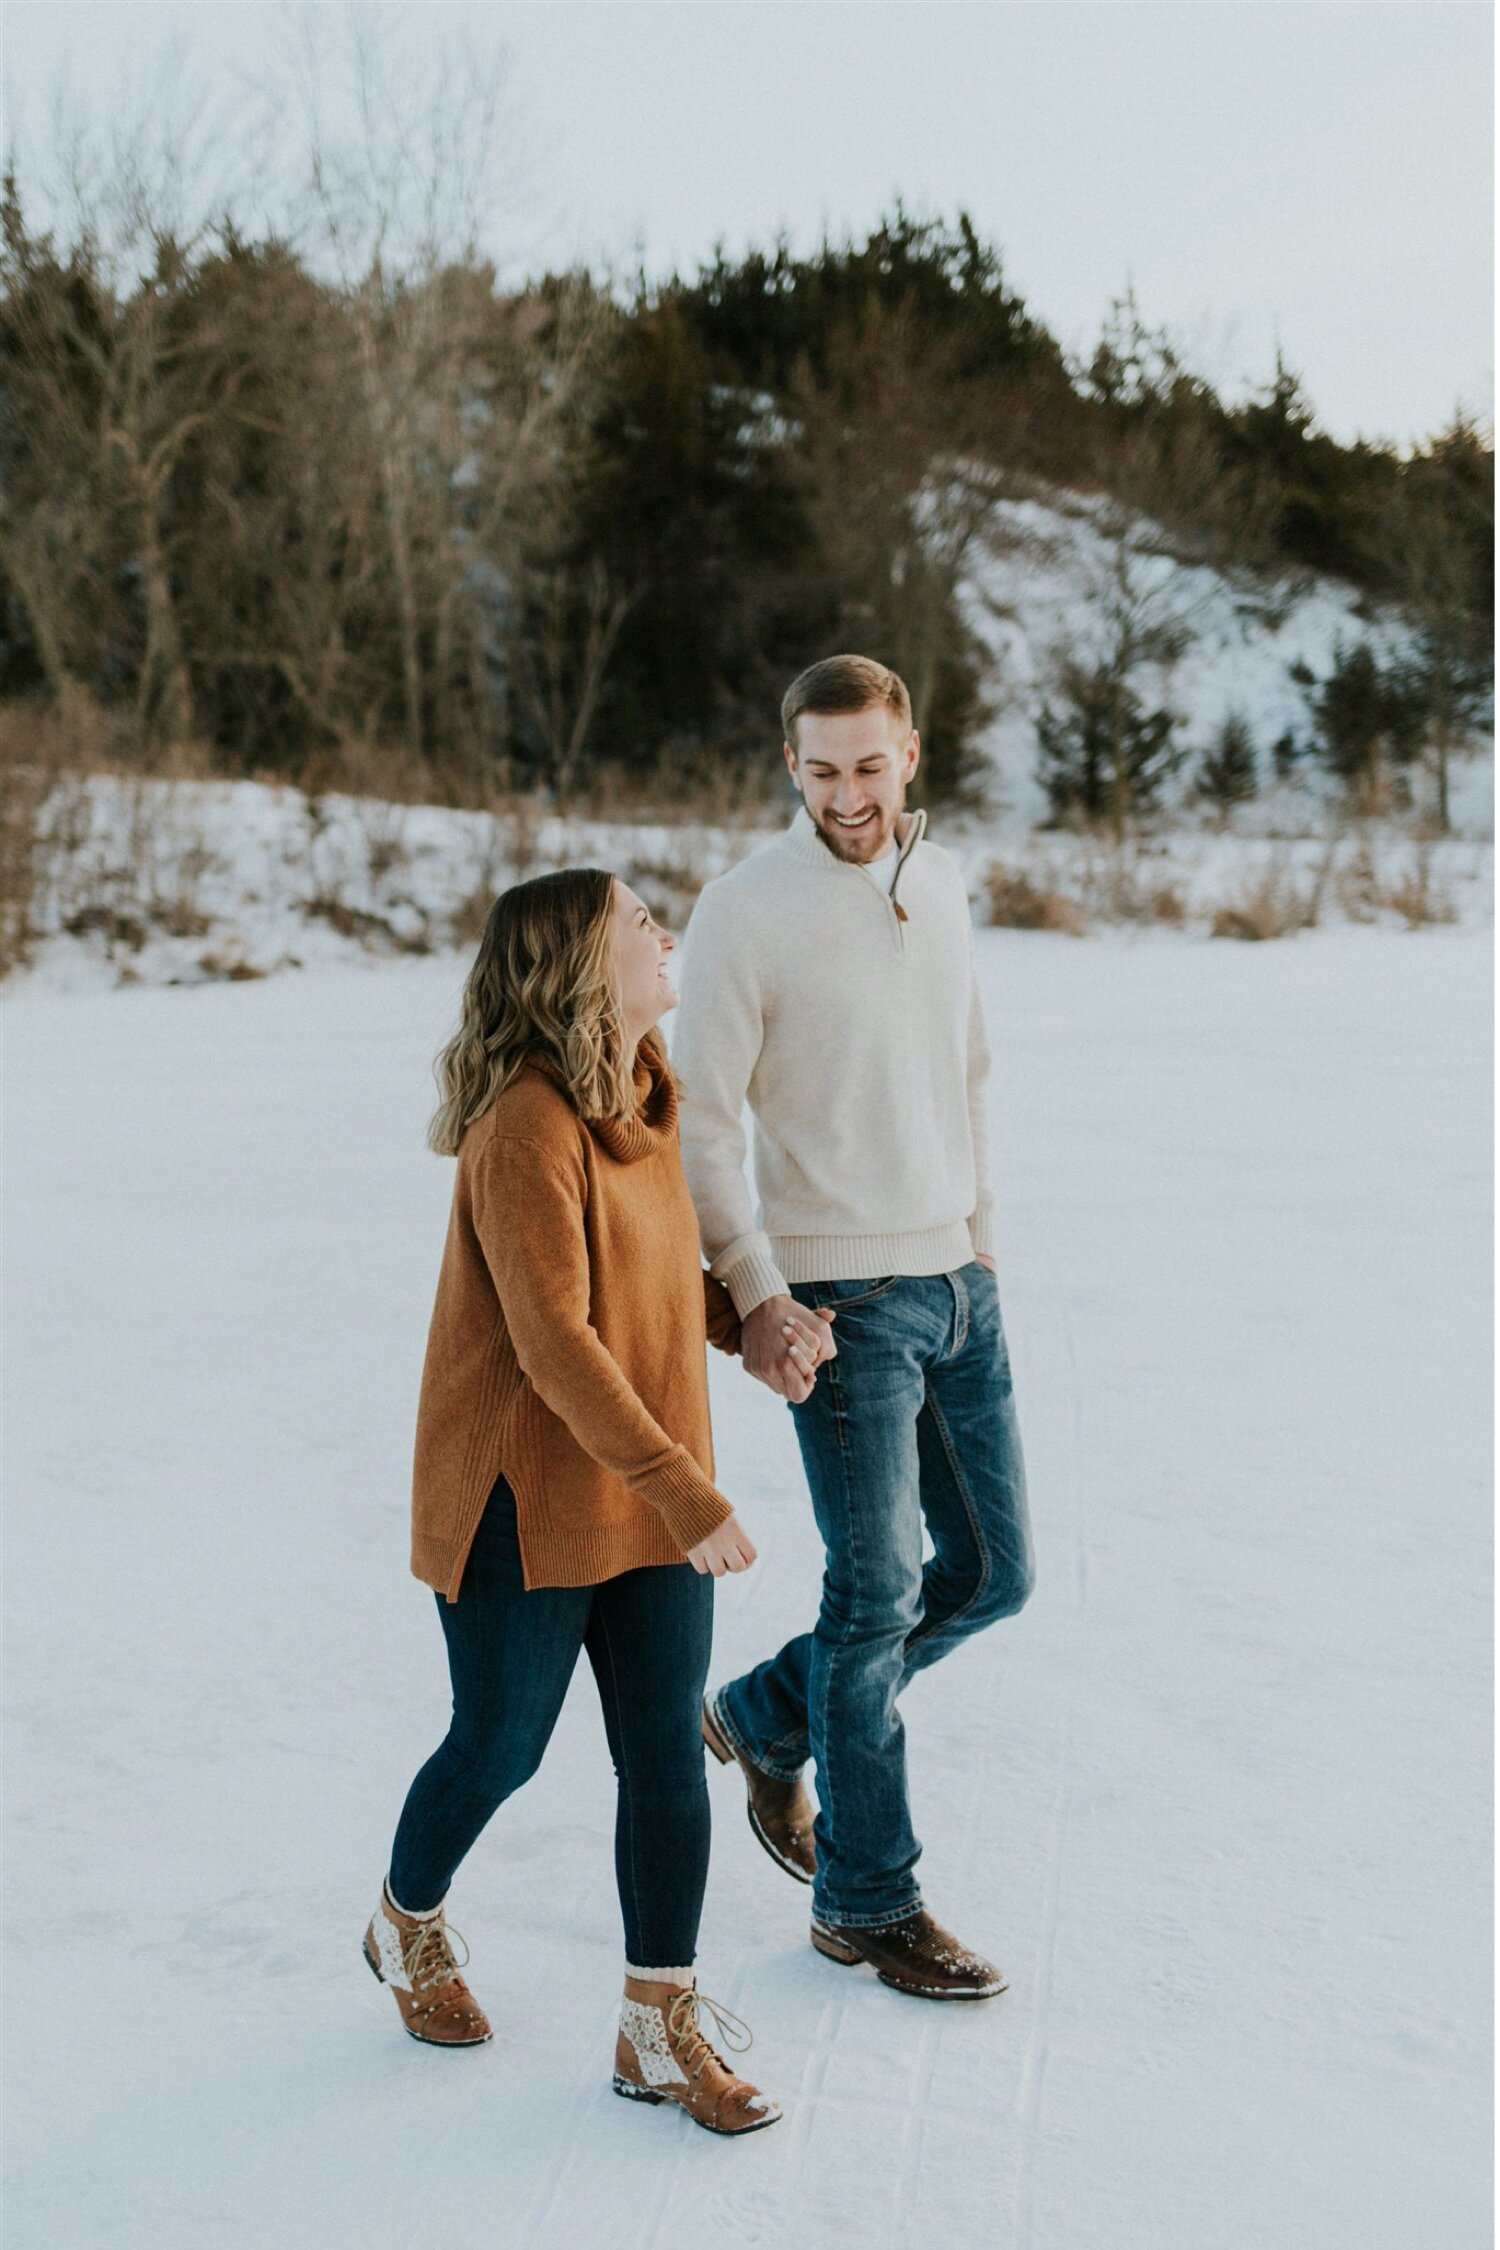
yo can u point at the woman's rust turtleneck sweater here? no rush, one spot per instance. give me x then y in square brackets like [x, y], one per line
[567, 1341]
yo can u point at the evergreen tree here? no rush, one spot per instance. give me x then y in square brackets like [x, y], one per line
[1102, 755]
[1365, 717]
[1227, 774]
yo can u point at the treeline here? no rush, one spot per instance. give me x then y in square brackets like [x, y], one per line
[411, 527]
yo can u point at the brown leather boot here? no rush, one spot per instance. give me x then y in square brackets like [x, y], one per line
[780, 1812]
[914, 1955]
[662, 2056]
[413, 1955]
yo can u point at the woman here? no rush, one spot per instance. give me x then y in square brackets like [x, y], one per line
[563, 1495]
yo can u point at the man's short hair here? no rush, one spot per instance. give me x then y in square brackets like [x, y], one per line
[845, 683]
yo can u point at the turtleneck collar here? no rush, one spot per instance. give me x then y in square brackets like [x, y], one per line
[652, 1122]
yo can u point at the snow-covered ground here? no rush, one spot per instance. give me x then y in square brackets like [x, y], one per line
[1218, 1800]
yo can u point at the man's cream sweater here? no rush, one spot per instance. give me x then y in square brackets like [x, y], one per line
[848, 1018]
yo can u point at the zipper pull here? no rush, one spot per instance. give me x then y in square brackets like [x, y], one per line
[901, 913]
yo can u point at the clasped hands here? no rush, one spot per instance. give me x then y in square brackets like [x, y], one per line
[783, 1345]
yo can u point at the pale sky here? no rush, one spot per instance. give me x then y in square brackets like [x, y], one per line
[1259, 170]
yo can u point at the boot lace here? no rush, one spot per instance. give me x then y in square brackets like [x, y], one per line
[688, 2042]
[428, 1957]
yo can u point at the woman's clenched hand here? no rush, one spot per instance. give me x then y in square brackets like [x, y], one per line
[727, 1547]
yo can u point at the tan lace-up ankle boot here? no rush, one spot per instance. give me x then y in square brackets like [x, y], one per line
[661, 2055]
[413, 1954]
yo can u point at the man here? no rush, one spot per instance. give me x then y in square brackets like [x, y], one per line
[830, 984]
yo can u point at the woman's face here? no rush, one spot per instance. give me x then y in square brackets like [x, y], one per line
[641, 950]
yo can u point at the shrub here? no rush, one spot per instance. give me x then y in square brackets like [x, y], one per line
[1272, 905]
[1015, 902]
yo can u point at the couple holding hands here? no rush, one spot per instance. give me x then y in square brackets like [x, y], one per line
[564, 1492]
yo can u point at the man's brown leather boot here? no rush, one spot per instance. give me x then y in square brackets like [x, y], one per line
[413, 1955]
[914, 1955]
[661, 2055]
[781, 1812]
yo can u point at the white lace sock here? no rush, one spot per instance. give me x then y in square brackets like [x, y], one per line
[428, 1913]
[661, 1976]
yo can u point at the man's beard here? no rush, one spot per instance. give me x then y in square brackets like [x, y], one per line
[840, 840]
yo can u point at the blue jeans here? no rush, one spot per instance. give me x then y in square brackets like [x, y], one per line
[913, 1422]
[511, 1655]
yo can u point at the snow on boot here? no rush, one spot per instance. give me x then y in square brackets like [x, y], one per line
[781, 1814]
[661, 2055]
[413, 1954]
[915, 1955]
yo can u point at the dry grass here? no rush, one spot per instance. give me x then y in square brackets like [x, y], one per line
[1272, 905]
[230, 967]
[1099, 882]
[731, 792]
[93, 846]
[23, 792]
[377, 933]
[1122, 887]
[1364, 894]
[1013, 901]
[113, 881]
[1418, 897]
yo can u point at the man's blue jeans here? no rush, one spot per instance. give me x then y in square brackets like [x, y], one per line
[913, 1422]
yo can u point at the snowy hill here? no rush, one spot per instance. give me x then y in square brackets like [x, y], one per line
[1062, 567]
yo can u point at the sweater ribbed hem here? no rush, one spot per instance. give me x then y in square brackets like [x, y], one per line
[866, 1257]
[573, 1558]
[982, 1232]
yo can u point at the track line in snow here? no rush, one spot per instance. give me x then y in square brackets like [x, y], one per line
[1034, 2065]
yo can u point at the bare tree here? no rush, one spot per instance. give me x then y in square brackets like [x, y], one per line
[563, 663]
[111, 370]
[463, 391]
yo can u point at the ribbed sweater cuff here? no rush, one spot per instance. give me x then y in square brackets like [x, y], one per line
[689, 1505]
[752, 1279]
[982, 1231]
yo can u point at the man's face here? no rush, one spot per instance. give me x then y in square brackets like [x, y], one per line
[852, 768]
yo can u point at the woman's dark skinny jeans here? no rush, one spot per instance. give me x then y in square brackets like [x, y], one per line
[511, 1655]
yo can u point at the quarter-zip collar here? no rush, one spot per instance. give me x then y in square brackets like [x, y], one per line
[807, 842]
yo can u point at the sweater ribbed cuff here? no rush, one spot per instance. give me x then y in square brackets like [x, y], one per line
[689, 1505]
[752, 1279]
[982, 1231]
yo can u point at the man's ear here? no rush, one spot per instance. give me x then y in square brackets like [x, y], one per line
[790, 756]
[914, 752]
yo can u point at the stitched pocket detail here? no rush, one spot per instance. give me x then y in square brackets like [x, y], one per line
[839, 1303]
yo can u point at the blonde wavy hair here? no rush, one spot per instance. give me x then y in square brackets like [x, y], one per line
[542, 984]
